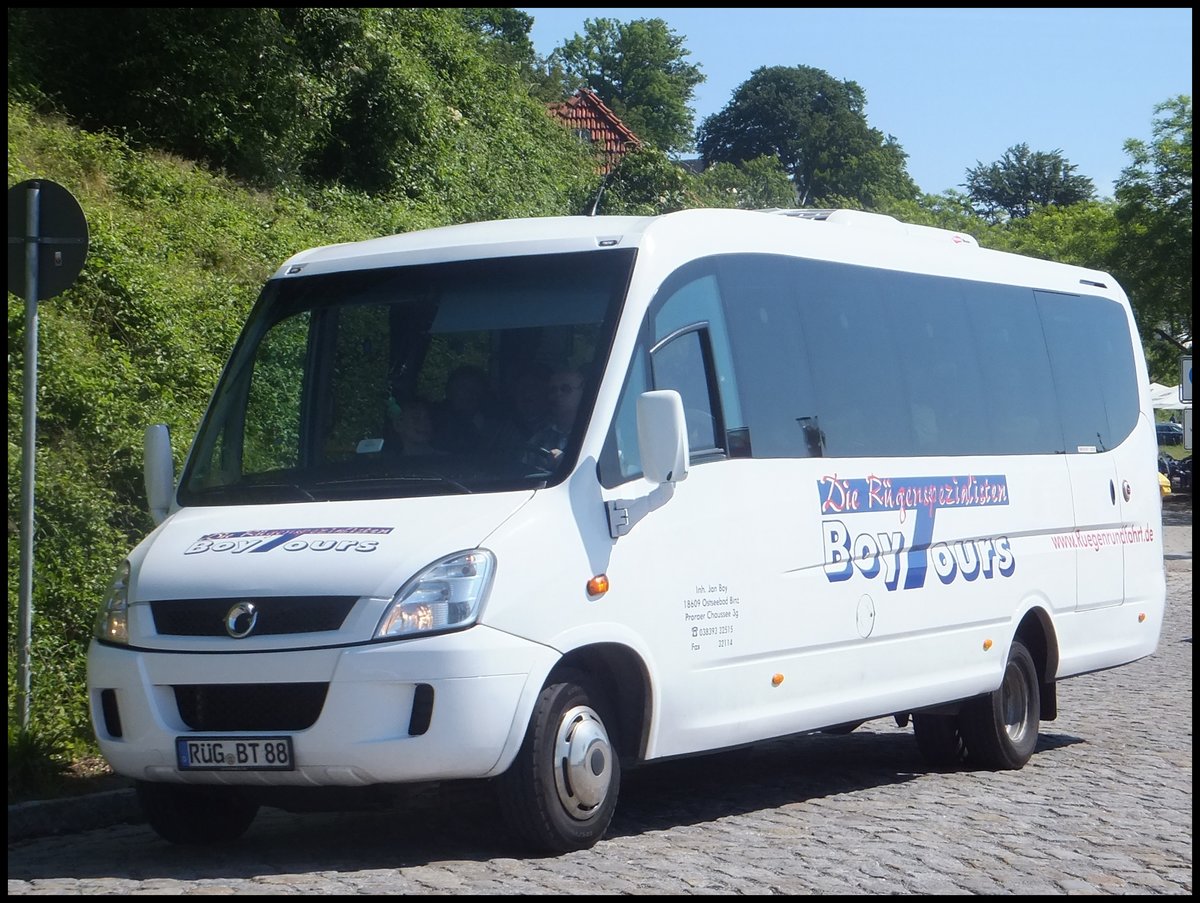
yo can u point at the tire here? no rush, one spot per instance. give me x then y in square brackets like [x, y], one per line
[561, 791]
[1001, 728]
[187, 814]
[940, 740]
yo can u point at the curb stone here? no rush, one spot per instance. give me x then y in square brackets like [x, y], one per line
[39, 818]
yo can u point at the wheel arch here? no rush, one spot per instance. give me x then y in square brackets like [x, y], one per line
[621, 675]
[1036, 632]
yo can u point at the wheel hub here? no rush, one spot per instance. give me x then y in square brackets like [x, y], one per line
[584, 758]
[1014, 698]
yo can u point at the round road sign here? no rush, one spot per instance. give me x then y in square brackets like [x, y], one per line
[61, 237]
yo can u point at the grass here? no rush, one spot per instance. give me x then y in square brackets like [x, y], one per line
[40, 769]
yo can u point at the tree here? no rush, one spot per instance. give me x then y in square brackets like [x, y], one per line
[509, 25]
[217, 84]
[415, 101]
[816, 126]
[645, 183]
[951, 210]
[1023, 180]
[639, 70]
[1084, 234]
[1153, 257]
[506, 31]
[753, 185]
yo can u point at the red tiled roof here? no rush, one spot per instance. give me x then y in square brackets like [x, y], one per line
[588, 113]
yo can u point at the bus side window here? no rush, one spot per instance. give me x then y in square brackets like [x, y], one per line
[683, 363]
[687, 336]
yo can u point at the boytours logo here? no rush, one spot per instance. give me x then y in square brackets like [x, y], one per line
[291, 539]
[912, 504]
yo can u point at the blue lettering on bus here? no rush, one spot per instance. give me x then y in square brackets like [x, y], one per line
[914, 501]
[290, 539]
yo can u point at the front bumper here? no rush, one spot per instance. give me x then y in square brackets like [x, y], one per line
[481, 682]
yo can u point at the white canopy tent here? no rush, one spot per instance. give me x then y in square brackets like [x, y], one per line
[1167, 398]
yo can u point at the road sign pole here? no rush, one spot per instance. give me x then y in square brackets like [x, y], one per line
[47, 227]
[29, 417]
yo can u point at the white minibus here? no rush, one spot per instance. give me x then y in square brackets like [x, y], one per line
[527, 503]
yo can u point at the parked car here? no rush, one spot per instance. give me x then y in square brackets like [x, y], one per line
[1169, 433]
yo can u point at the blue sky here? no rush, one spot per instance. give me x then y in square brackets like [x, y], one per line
[954, 87]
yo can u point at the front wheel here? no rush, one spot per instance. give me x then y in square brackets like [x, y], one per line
[561, 790]
[190, 814]
[1001, 728]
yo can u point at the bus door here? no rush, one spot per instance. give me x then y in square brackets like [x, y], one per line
[1099, 555]
[1093, 368]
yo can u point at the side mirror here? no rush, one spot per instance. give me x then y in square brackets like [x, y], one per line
[159, 467]
[663, 444]
[662, 436]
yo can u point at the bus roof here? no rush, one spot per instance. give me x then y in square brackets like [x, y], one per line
[850, 236]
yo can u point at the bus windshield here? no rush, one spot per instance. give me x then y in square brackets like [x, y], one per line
[471, 376]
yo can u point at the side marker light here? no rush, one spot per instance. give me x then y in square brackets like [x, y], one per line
[776, 680]
[598, 585]
[987, 644]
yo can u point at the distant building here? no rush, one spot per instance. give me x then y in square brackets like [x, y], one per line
[591, 120]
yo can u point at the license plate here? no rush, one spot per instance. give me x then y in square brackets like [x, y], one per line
[234, 754]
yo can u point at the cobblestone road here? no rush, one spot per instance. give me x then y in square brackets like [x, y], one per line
[1104, 806]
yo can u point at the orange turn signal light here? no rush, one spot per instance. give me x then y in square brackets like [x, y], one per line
[776, 680]
[987, 644]
[598, 585]
[1141, 617]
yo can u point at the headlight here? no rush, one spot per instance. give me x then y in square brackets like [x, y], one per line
[448, 594]
[112, 623]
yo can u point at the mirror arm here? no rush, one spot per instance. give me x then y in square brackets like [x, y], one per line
[624, 513]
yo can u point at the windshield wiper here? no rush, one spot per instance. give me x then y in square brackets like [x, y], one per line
[246, 488]
[389, 479]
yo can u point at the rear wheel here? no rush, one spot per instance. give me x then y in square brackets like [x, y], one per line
[187, 814]
[1001, 728]
[561, 790]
